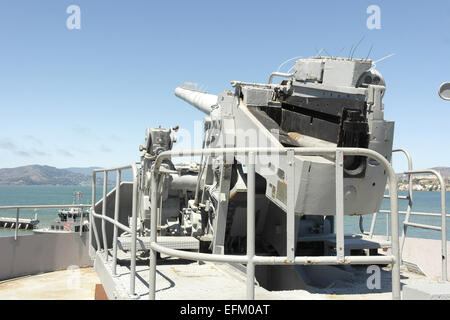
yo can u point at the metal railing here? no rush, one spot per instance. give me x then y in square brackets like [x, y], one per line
[408, 213]
[251, 259]
[117, 225]
[51, 206]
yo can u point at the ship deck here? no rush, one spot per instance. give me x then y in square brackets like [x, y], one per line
[76, 284]
[179, 279]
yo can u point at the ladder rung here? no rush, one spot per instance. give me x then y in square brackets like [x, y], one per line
[423, 226]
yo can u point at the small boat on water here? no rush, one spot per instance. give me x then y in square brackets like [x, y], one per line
[69, 220]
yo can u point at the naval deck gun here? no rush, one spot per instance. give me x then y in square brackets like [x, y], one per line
[325, 102]
[280, 166]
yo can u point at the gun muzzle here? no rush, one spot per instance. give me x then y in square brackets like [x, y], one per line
[201, 100]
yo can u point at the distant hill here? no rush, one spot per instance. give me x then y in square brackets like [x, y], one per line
[46, 175]
[42, 175]
[444, 171]
[86, 171]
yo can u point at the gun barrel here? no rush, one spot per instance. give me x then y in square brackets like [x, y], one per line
[202, 101]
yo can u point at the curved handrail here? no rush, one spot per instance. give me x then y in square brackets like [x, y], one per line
[117, 225]
[443, 227]
[251, 259]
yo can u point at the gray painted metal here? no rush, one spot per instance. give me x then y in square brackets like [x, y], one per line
[315, 195]
[222, 208]
[417, 213]
[352, 244]
[279, 74]
[444, 91]
[153, 252]
[39, 253]
[275, 260]
[406, 223]
[423, 226]
[427, 291]
[173, 242]
[340, 246]
[409, 197]
[115, 223]
[116, 218]
[133, 233]
[308, 182]
[250, 226]
[17, 224]
[92, 224]
[202, 101]
[104, 218]
[443, 227]
[105, 190]
[394, 258]
[291, 235]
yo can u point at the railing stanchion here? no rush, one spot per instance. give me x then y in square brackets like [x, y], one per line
[393, 193]
[92, 209]
[92, 224]
[16, 232]
[105, 243]
[153, 227]
[443, 227]
[372, 225]
[116, 217]
[291, 236]
[340, 250]
[410, 199]
[250, 226]
[443, 230]
[133, 234]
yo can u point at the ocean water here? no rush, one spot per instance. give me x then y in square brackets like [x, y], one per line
[41, 195]
[33, 195]
[423, 201]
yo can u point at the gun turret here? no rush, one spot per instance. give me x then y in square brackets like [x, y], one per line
[325, 102]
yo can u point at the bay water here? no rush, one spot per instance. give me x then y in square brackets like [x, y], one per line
[47, 195]
[11, 195]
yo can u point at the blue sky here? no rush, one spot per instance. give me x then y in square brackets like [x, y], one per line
[84, 97]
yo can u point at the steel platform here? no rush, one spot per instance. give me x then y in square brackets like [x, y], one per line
[143, 243]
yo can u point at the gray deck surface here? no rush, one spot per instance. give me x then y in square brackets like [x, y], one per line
[179, 280]
[77, 284]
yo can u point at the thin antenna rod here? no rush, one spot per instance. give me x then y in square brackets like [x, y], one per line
[371, 47]
[384, 58]
[356, 47]
[281, 65]
[351, 49]
[318, 52]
